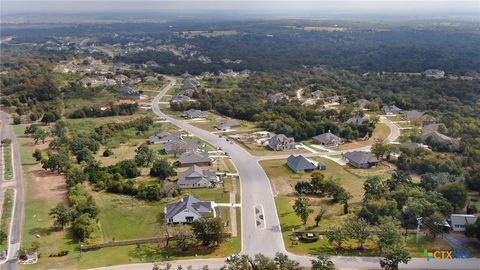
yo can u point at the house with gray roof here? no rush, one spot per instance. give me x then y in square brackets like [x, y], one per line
[359, 159]
[191, 158]
[128, 92]
[327, 139]
[180, 98]
[187, 210]
[391, 110]
[196, 177]
[194, 114]
[419, 117]
[301, 164]
[164, 137]
[361, 103]
[458, 222]
[356, 121]
[431, 133]
[180, 146]
[280, 142]
[228, 124]
[434, 73]
[317, 94]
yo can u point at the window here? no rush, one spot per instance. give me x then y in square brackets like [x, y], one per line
[189, 219]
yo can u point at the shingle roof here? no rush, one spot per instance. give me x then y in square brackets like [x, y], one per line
[194, 157]
[195, 173]
[227, 124]
[180, 146]
[357, 120]
[327, 138]
[360, 157]
[191, 203]
[300, 163]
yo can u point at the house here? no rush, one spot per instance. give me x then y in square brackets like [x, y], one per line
[301, 164]
[391, 110]
[356, 121]
[180, 98]
[120, 78]
[459, 221]
[420, 118]
[127, 91]
[277, 97]
[194, 114]
[150, 79]
[434, 73]
[332, 99]
[280, 142]
[228, 124]
[180, 146]
[317, 94]
[430, 132]
[359, 159]
[196, 177]
[361, 103]
[164, 137]
[327, 139]
[194, 158]
[187, 210]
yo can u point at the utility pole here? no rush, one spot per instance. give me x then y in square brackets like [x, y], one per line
[419, 223]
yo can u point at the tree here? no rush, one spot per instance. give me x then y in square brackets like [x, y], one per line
[434, 223]
[57, 161]
[303, 187]
[127, 168]
[107, 153]
[359, 230]
[84, 154]
[144, 155]
[162, 169]
[84, 227]
[455, 193]
[388, 233]
[336, 234]
[322, 263]
[37, 154]
[379, 149]
[320, 215]
[40, 134]
[208, 230]
[393, 256]
[284, 263]
[473, 230]
[182, 234]
[302, 209]
[318, 182]
[75, 176]
[61, 215]
[6, 141]
[343, 198]
[399, 178]
[3, 237]
[374, 188]
[30, 129]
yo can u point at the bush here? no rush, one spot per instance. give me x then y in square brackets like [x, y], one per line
[308, 239]
[107, 153]
[59, 254]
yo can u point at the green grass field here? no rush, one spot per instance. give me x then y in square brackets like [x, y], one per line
[7, 160]
[6, 215]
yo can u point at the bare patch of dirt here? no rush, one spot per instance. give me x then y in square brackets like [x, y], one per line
[49, 186]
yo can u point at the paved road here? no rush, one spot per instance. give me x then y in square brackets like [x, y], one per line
[254, 184]
[16, 225]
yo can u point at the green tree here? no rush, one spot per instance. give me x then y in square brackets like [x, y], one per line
[208, 230]
[75, 175]
[282, 262]
[3, 237]
[374, 188]
[388, 233]
[318, 182]
[40, 134]
[359, 230]
[162, 169]
[37, 154]
[144, 155]
[84, 227]
[393, 256]
[337, 234]
[434, 223]
[61, 215]
[320, 215]
[302, 209]
[322, 263]
[455, 193]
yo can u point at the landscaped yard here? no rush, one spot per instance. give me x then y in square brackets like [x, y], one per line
[7, 161]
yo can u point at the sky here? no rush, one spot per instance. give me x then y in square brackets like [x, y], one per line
[263, 6]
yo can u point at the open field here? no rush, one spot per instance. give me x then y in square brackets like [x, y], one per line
[7, 161]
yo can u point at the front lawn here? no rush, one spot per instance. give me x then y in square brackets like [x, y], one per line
[7, 161]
